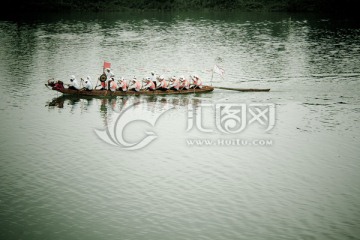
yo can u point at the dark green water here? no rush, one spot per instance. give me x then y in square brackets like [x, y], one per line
[298, 180]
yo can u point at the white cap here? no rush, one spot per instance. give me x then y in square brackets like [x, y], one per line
[107, 69]
[148, 78]
[152, 72]
[72, 77]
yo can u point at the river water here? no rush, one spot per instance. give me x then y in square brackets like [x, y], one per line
[282, 164]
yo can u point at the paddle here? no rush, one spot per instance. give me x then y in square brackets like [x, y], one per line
[245, 89]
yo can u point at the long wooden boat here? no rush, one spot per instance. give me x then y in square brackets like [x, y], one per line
[108, 93]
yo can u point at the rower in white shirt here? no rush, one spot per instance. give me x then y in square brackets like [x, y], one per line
[88, 85]
[74, 83]
[122, 85]
[174, 84]
[163, 85]
[150, 85]
[184, 83]
[135, 85]
[112, 84]
[197, 83]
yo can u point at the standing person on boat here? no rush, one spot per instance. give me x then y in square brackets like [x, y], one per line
[153, 78]
[197, 83]
[135, 85]
[163, 85]
[174, 84]
[184, 83]
[122, 85]
[88, 85]
[109, 74]
[74, 83]
[112, 84]
[150, 85]
[105, 78]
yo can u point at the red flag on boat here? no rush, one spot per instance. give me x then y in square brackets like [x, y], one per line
[107, 65]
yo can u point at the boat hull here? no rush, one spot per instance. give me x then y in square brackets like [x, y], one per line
[108, 93]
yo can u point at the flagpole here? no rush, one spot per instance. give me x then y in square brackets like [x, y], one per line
[212, 75]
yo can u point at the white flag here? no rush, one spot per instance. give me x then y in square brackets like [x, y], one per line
[218, 70]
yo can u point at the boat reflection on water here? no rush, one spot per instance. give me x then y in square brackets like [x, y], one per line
[107, 106]
[73, 102]
[118, 103]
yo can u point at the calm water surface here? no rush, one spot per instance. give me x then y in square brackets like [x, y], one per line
[59, 180]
